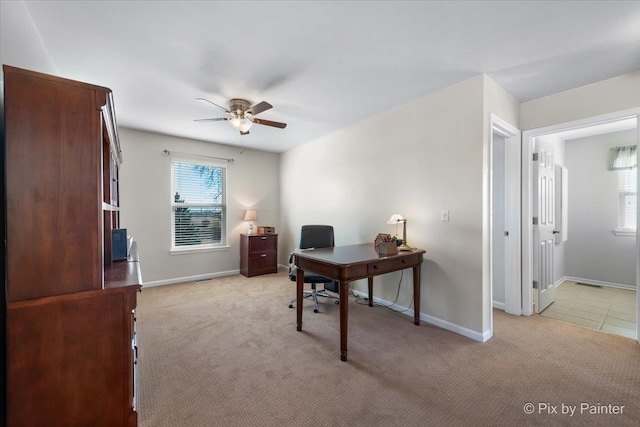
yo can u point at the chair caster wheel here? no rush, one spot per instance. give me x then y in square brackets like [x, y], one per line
[315, 310]
[290, 305]
[337, 302]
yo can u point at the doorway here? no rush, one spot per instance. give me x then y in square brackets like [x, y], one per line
[531, 239]
[595, 269]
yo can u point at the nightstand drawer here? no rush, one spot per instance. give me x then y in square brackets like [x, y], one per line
[263, 261]
[259, 244]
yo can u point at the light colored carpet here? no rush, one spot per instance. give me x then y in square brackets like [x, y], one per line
[226, 353]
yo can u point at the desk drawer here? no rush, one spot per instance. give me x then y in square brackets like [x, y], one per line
[386, 265]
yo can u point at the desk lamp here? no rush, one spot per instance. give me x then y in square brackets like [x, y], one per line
[395, 219]
[250, 215]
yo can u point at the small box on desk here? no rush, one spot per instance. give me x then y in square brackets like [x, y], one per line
[266, 230]
[388, 248]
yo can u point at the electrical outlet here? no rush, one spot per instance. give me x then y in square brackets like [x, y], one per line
[444, 215]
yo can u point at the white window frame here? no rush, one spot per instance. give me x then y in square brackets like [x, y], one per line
[223, 245]
[623, 229]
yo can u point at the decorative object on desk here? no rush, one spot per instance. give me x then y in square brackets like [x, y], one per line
[381, 237]
[119, 244]
[250, 215]
[396, 219]
[266, 230]
[385, 244]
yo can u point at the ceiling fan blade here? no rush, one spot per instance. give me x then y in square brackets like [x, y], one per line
[270, 123]
[244, 133]
[217, 119]
[212, 103]
[259, 108]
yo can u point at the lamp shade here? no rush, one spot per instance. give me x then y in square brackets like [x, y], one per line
[395, 218]
[250, 215]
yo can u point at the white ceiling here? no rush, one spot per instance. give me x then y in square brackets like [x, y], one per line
[323, 65]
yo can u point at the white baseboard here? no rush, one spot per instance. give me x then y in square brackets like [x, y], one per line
[601, 283]
[190, 278]
[561, 280]
[498, 305]
[461, 330]
[198, 277]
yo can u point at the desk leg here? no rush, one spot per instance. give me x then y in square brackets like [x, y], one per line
[416, 294]
[299, 298]
[370, 280]
[344, 319]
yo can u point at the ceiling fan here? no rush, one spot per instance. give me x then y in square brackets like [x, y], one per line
[242, 115]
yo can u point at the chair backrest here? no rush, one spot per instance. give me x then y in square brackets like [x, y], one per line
[316, 236]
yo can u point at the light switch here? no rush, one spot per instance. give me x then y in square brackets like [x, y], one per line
[444, 215]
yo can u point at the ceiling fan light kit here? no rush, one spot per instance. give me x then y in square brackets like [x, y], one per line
[241, 120]
[241, 124]
[242, 114]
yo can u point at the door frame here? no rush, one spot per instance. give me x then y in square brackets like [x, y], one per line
[527, 199]
[512, 135]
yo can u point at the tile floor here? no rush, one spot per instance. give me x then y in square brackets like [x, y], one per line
[606, 309]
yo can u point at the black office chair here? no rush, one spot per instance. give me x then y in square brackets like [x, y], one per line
[315, 236]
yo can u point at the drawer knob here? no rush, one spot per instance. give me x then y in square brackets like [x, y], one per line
[375, 267]
[404, 261]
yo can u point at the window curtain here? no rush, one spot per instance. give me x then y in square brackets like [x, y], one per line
[623, 158]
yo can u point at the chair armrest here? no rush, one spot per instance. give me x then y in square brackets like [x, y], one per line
[291, 265]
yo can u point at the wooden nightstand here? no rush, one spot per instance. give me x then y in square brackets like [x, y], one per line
[258, 254]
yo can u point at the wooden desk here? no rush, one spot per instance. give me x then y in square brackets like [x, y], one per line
[348, 263]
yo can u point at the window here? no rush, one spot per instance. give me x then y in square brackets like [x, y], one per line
[624, 160]
[628, 199]
[198, 205]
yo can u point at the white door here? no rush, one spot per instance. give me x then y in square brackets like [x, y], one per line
[513, 258]
[506, 254]
[543, 223]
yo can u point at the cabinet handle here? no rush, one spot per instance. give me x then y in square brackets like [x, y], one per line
[263, 255]
[263, 238]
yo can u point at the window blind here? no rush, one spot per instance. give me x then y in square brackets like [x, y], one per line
[198, 205]
[628, 198]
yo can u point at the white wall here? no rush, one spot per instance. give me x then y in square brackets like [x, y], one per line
[593, 251]
[414, 160]
[145, 196]
[609, 96]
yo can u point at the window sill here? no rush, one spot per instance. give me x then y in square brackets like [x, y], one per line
[624, 232]
[197, 250]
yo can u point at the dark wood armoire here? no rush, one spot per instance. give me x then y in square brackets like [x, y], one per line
[70, 310]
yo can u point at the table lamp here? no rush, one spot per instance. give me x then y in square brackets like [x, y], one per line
[250, 215]
[395, 219]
